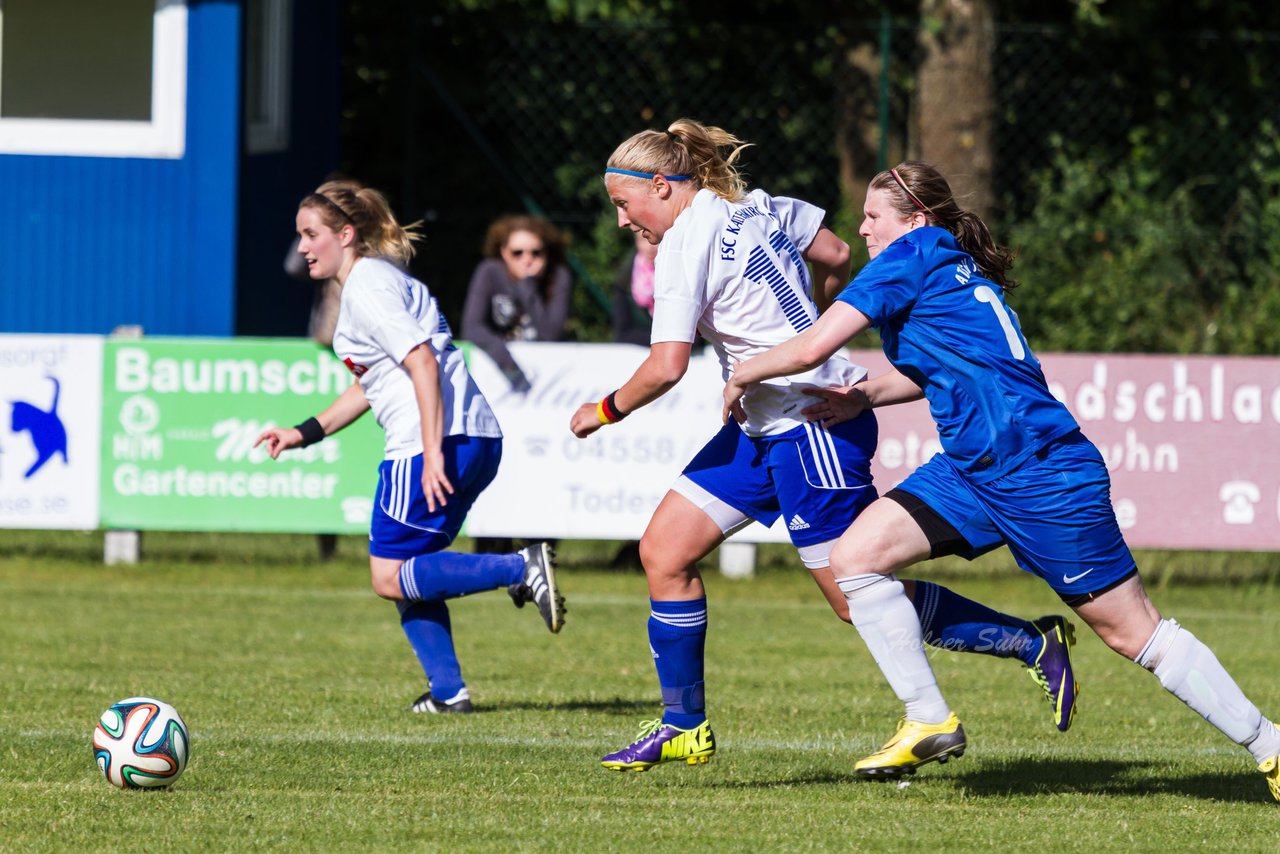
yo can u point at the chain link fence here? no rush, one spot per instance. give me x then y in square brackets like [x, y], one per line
[535, 127]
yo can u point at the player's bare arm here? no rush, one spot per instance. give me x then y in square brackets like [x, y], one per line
[832, 330]
[844, 403]
[665, 365]
[424, 373]
[828, 258]
[346, 408]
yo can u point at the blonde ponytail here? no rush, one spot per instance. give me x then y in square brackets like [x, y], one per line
[706, 155]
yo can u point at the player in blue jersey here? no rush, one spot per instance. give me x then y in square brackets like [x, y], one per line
[731, 266]
[443, 443]
[1015, 470]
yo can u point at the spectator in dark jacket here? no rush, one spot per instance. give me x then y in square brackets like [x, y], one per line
[520, 292]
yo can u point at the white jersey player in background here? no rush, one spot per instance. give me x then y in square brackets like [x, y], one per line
[731, 267]
[443, 443]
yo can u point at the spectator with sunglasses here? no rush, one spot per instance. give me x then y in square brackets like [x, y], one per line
[519, 292]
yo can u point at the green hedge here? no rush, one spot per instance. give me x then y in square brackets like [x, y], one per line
[1111, 260]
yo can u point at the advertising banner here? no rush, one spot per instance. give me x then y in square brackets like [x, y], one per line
[606, 486]
[157, 434]
[1192, 443]
[180, 416]
[51, 396]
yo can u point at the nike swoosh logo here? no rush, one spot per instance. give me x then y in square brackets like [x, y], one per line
[1072, 579]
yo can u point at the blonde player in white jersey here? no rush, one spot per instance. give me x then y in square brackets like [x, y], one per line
[443, 443]
[732, 267]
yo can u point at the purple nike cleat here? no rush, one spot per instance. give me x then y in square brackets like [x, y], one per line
[1051, 668]
[659, 742]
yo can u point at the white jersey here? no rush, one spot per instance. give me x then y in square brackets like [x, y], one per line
[734, 272]
[385, 313]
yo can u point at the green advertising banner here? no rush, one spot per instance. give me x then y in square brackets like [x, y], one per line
[179, 419]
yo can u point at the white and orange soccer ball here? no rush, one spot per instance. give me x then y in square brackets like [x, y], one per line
[141, 743]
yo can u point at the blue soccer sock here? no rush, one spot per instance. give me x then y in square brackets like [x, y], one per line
[448, 575]
[678, 637]
[430, 633]
[953, 622]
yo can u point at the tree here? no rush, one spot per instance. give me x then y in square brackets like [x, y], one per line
[954, 113]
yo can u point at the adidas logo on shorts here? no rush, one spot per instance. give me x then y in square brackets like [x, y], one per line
[797, 524]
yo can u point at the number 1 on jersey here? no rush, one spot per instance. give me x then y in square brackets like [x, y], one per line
[984, 294]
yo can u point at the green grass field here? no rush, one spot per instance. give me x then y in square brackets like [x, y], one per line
[295, 681]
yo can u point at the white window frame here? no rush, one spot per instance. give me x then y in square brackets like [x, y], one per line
[271, 133]
[163, 137]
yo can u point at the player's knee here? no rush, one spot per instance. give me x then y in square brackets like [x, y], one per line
[857, 556]
[1124, 640]
[841, 610]
[647, 551]
[386, 584]
[1124, 637]
[1123, 618]
[657, 560]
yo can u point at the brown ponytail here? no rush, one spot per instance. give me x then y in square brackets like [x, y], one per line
[916, 186]
[378, 234]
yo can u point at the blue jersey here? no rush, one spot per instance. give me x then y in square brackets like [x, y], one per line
[947, 327]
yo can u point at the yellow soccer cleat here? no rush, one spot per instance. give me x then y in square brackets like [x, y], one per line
[1271, 770]
[659, 742]
[913, 745]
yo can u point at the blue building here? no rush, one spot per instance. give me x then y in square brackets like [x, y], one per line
[152, 153]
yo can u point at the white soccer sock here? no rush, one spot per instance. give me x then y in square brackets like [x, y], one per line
[1189, 670]
[887, 621]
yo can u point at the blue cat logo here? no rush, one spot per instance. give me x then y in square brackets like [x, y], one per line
[47, 433]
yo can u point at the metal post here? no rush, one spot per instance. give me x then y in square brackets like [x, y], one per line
[122, 546]
[737, 560]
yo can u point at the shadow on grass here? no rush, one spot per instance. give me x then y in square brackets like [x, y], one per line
[1027, 777]
[614, 706]
[1109, 778]
[810, 778]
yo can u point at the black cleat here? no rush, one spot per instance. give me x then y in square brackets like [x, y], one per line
[539, 585]
[461, 703]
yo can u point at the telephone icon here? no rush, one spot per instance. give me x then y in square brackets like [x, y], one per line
[1238, 498]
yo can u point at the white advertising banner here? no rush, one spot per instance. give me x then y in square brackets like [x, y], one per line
[1192, 443]
[51, 394]
[552, 484]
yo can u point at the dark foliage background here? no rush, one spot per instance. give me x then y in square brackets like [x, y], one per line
[1137, 161]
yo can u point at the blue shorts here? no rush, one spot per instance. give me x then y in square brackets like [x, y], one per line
[1054, 513]
[818, 478]
[402, 527]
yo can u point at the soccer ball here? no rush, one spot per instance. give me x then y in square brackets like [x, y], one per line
[141, 743]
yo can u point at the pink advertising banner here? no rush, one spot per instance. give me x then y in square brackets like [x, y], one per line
[1192, 442]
